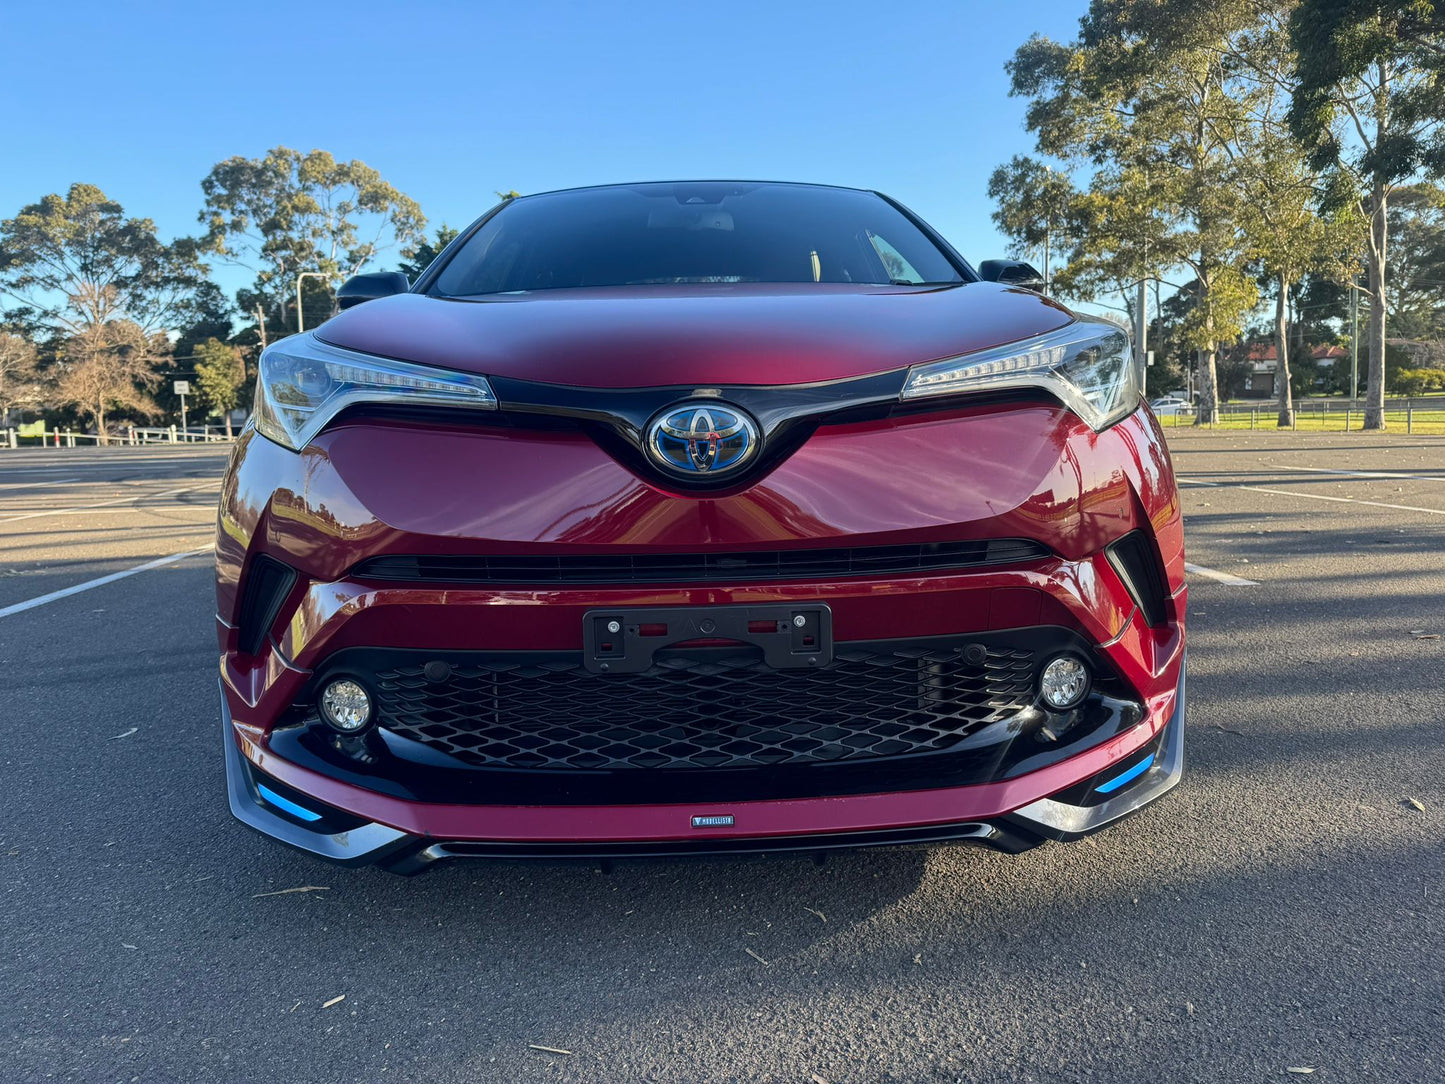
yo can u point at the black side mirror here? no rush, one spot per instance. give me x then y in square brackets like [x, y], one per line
[370, 286]
[1009, 273]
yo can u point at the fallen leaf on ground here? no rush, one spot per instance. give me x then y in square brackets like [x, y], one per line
[337, 1000]
[756, 957]
[126, 734]
[1299, 1069]
[548, 1049]
[1428, 636]
[821, 917]
[1417, 804]
[816, 1079]
[288, 891]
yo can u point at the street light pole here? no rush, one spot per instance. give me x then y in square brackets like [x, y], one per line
[300, 324]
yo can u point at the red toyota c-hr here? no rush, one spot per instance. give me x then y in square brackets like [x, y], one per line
[698, 517]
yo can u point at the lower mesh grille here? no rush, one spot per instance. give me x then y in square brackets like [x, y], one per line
[705, 709]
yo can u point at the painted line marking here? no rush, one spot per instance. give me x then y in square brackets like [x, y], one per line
[36, 485]
[1200, 570]
[1366, 473]
[1321, 496]
[172, 505]
[101, 504]
[66, 592]
[1344, 500]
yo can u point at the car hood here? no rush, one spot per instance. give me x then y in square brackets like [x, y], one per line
[699, 335]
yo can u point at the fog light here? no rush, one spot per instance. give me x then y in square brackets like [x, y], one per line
[1064, 682]
[345, 706]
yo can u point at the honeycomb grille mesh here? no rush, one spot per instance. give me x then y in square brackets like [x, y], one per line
[705, 710]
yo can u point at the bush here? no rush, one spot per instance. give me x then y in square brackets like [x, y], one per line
[1416, 381]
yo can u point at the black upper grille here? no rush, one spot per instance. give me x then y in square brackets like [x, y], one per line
[705, 708]
[594, 568]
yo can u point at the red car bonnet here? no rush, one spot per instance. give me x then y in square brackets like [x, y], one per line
[651, 336]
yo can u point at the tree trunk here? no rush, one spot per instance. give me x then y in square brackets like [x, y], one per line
[100, 421]
[1375, 383]
[227, 415]
[1208, 411]
[1281, 346]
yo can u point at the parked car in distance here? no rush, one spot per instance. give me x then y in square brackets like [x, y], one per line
[699, 517]
[1171, 404]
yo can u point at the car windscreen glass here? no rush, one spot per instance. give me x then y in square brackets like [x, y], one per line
[714, 232]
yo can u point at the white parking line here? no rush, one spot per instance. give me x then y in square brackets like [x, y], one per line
[1221, 577]
[1366, 473]
[1344, 500]
[101, 504]
[36, 485]
[30, 604]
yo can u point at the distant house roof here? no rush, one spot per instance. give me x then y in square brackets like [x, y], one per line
[1266, 352]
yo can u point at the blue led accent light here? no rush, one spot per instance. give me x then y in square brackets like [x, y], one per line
[1133, 773]
[286, 804]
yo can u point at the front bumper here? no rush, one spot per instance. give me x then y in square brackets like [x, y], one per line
[987, 815]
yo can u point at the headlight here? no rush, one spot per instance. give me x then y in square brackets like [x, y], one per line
[1089, 366]
[304, 383]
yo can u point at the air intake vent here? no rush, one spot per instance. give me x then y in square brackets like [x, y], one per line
[268, 582]
[593, 568]
[1137, 564]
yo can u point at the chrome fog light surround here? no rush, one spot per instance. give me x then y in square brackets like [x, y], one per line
[345, 706]
[1064, 682]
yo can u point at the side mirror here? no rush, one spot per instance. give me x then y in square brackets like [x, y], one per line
[1010, 273]
[370, 286]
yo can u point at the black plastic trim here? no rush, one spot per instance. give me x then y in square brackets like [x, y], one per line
[996, 835]
[1135, 560]
[268, 582]
[843, 562]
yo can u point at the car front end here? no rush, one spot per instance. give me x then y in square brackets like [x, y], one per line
[698, 562]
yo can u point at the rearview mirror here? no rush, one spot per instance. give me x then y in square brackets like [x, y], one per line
[1010, 273]
[370, 286]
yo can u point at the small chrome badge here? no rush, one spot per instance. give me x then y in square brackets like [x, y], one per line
[713, 820]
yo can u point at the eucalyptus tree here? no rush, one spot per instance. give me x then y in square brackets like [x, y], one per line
[1369, 100]
[1288, 235]
[1034, 201]
[1144, 94]
[1416, 266]
[288, 212]
[76, 261]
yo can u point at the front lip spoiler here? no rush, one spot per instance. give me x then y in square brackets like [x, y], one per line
[352, 842]
[1065, 821]
[353, 845]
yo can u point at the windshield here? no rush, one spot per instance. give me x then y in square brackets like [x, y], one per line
[710, 232]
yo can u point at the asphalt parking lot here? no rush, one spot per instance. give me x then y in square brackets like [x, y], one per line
[1283, 910]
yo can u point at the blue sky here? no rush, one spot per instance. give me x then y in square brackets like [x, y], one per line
[450, 101]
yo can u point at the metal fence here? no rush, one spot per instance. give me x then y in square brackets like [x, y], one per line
[1422, 414]
[134, 435]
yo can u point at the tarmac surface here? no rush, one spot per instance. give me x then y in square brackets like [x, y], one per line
[1283, 910]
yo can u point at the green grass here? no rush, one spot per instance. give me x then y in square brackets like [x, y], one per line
[1425, 423]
